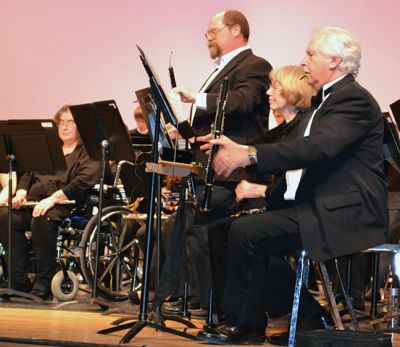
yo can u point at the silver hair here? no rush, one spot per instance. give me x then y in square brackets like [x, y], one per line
[338, 41]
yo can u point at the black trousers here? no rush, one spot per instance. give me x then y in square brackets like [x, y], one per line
[44, 238]
[223, 204]
[249, 288]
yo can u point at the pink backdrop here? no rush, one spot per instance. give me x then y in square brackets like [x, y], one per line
[76, 51]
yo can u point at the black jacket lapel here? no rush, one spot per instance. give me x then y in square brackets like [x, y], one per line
[228, 67]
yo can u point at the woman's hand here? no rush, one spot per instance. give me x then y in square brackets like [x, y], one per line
[19, 199]
[248, 190]
[43, 206]
[46, 204]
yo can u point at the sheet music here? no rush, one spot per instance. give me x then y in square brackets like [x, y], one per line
[177, 106]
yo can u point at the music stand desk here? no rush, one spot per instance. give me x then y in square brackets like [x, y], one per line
[172, 168]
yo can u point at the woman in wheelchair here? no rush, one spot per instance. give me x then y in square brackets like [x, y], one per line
[51, 193]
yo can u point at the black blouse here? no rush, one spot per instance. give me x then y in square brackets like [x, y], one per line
[81, 174]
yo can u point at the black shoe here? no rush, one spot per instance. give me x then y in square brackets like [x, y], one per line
[42, 294]
[21, 287]
[320, 320]
[175, 308]
[358, 303]
[279, 339]
[234, 334]
[209, 331]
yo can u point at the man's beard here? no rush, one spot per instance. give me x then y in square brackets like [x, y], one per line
[215, 51]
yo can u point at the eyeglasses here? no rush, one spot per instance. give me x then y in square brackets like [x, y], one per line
[212, 34]
[68, 123]
[275, 88]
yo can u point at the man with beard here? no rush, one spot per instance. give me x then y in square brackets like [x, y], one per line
[246, 117]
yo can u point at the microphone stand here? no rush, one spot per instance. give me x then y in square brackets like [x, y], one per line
[184, 312]
[104, 150]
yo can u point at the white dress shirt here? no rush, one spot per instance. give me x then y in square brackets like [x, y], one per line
[293, 177]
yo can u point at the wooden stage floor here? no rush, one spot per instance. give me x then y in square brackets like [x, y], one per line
[25, 323]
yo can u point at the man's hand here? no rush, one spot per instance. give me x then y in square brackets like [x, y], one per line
[230, 156]
[206, 140]
[43, 206]
[173, 132]
[248, 190]
[186, 95]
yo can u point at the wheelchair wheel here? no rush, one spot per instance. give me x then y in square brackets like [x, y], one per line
[116, 251]
[64, 289]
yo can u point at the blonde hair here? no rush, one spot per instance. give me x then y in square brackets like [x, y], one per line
[294, 87]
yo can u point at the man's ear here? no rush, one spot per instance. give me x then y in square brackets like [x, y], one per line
[334, 62]
[236, 30]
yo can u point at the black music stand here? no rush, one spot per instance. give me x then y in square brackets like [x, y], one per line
[105, 137]
[395, 107]
[391, 145]
[163, 106]
[27, 145]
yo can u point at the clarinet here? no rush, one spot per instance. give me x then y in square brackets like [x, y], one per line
[216, 131]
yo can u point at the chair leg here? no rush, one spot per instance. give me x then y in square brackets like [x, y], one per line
[330, 297]
[375, 284]
[302, 269]
[349, 304]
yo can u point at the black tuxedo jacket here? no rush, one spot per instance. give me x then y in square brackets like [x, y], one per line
[247, 107]
[342, 198]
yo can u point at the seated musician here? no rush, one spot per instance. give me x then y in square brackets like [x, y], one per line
[51, 191]
[335, 180]
[289, 96]
[141, 125]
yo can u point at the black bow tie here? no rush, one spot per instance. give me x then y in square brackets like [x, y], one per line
[317, 99]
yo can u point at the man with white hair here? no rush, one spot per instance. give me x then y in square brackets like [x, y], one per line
[334, 176]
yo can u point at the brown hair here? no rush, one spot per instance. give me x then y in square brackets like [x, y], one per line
[57, 116]
[294, 87]
[233, 17]
[137, 113]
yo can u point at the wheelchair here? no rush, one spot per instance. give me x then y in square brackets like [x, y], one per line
[119, 266]
[65, 283]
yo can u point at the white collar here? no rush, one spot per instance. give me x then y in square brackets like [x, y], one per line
[219, 63]
[331, 83]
